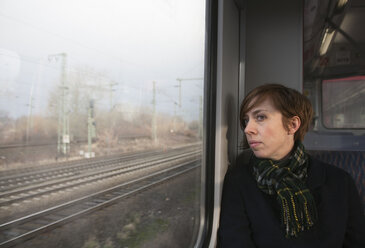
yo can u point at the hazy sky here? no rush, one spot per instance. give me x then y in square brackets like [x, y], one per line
[131, 43]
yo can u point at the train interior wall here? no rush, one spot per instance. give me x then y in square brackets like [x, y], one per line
[270, 48]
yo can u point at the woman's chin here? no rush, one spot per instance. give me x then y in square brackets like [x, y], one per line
[259, 154]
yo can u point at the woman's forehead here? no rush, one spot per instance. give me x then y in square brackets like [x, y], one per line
[265, 104]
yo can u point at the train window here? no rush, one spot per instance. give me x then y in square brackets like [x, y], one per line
[101, 106]
[343, 102]
[334, 62]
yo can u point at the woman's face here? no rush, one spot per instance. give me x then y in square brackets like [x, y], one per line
[266, 134]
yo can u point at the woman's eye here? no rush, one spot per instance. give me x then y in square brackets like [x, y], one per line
[245, 121]
[260, 117]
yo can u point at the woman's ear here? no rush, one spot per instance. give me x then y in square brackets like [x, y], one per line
[294, 124]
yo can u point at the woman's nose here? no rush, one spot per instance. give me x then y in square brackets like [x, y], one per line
[250, 128]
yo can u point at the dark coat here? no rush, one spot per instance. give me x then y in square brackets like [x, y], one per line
[251, 218]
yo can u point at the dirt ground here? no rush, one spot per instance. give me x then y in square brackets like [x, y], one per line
[22, 157]
[162, 217]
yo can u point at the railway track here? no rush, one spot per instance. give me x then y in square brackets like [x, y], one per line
[81, 141]
[79, 175]
[17, 177]
[24, 228]
[21, 177]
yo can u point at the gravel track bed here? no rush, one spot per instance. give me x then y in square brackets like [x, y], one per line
[164, 216]
[20, 209]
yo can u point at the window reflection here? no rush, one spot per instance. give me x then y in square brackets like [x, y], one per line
[343, 102]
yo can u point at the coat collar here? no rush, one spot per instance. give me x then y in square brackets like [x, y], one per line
[316, 173]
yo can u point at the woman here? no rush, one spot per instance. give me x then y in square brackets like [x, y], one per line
[277, 195]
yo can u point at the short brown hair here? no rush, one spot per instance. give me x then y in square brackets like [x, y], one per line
[288, 101]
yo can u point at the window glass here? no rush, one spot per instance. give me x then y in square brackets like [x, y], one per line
[343, 102]
[333, 65]
[101, 120]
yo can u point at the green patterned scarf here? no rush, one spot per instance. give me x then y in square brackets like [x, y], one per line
[286, 179]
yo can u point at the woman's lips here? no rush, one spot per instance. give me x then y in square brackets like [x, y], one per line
[254, 144]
